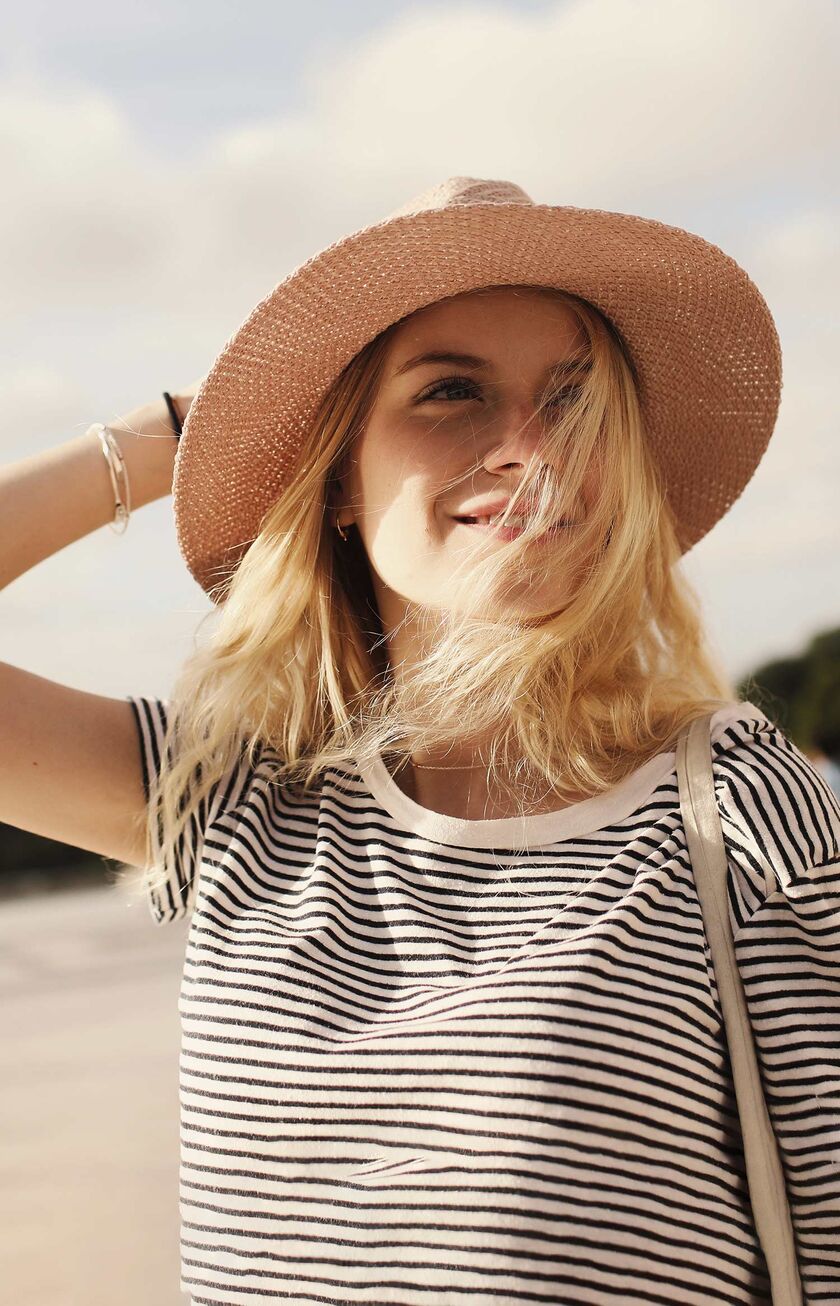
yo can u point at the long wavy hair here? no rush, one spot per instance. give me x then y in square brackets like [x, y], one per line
[297, 671]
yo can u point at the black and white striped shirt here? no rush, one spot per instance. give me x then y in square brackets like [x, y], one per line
[428, 1060]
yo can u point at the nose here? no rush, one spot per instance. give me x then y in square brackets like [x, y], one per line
[518, 442]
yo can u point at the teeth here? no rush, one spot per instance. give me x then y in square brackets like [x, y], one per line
[519, 521]
[493, 521]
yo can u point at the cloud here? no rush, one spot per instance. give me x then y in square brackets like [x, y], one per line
[595, 97]
[650, 107]
[81, 218]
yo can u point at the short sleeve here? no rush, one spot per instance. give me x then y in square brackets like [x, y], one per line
[780, 816]
[174, 899]
[782, 829]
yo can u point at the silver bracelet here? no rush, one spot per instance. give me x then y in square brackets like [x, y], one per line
[118, 472]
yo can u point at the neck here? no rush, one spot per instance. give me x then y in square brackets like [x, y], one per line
[467, 792]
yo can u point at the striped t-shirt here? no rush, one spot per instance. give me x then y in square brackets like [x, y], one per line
[429, 1060]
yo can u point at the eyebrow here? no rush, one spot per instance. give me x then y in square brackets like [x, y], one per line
[581, 363]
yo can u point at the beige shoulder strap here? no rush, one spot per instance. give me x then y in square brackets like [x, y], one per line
[765, 1176]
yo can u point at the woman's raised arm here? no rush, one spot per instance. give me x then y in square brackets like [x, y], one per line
[70, 766]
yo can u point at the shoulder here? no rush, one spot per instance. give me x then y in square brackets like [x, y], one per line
[780, 817]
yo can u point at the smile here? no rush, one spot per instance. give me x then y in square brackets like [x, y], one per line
[507, 532]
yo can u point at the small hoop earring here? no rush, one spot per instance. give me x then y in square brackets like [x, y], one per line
[340, 530]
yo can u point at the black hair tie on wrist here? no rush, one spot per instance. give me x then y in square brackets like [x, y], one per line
[173, 413]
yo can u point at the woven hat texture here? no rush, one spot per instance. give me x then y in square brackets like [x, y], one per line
[702, 340]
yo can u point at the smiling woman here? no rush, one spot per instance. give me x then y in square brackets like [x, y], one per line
[540, 665]
[451, 1030]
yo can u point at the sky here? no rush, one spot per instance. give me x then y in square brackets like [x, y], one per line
[166, 166]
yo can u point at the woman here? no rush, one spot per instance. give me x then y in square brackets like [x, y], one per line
[451, 1031]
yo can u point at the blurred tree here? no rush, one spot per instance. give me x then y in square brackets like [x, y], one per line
[22, 851]
[802, 694]
[29, 863]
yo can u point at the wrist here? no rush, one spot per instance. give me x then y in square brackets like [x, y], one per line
[148, 447]
[150, 421]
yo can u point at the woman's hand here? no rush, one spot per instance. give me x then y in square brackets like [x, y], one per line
[153, 419]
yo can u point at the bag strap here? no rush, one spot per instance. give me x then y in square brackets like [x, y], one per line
[765, 1177]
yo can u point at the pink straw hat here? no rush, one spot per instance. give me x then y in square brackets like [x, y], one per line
[701, 337]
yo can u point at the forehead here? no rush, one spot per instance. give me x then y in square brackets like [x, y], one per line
[492, 321]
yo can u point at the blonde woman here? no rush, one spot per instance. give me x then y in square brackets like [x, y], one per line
[451, 1032]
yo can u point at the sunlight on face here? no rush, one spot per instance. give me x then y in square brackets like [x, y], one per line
[442, 435]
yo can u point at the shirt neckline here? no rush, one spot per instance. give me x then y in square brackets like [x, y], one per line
[518, 832]
[585, 817]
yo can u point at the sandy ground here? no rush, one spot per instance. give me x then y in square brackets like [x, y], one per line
[89, 1102]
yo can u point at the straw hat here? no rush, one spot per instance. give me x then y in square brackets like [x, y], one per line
[701, 337]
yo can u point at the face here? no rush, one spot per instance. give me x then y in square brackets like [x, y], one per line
[442, 434]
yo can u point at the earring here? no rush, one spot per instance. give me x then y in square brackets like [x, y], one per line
[340, 530]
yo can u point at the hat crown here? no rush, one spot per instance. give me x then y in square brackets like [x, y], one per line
[457, 192]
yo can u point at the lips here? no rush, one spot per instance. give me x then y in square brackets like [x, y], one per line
[487, 509]
[501, 532]
[510, 532]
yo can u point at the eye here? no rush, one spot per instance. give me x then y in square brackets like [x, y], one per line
[563, 395]
[449, 383]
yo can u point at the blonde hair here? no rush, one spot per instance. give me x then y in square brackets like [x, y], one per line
[580, 696]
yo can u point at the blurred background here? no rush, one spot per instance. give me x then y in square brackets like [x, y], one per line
[165, 166]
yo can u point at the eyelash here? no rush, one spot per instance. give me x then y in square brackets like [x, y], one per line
[449, 381]
[433, 391]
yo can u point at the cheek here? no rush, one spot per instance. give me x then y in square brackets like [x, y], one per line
[402, 473]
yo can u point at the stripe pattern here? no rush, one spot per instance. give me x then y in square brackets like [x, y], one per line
[417, 1072]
